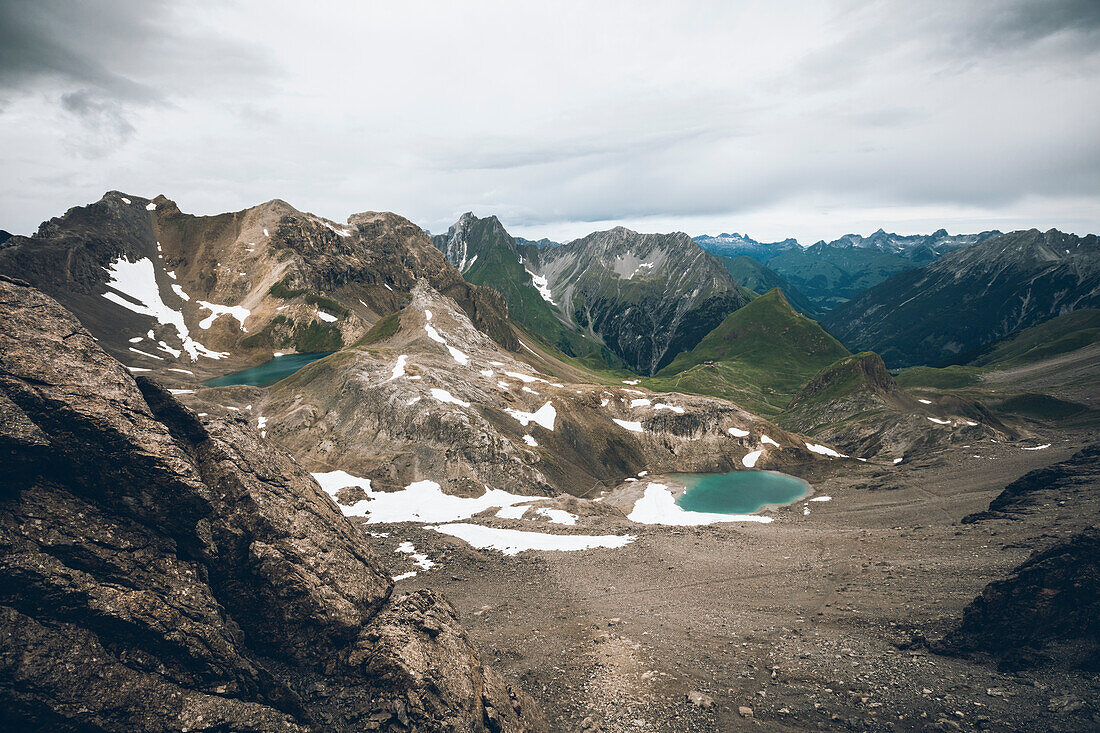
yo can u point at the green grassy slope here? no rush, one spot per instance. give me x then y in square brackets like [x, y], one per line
[761, 355]
[498, 267]
[760, 278]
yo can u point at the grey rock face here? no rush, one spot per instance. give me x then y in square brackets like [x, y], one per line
[646, 296]
[163, 573]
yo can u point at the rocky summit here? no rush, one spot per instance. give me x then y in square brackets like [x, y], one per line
[165, 572]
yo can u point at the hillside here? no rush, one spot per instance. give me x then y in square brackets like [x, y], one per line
[829, 276]
[166, 570]
[165, 290]
[485, 254]
[857, 406]
[972, 297]
[758, 356]
[646, 297]
[760, 278]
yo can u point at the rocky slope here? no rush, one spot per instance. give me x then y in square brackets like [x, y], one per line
[485, 254]
[857, 406]
[972, 297]
[1061, 482]
[162, 572]
[1047, 610]
[919, 248]
[429, 397]
[166, 290]
[647, 297]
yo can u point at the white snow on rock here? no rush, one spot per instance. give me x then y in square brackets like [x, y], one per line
[898, 460]
[824, 450]
[940, 422]
[737, 432]
[419, 559]
[265, 232]
[150, 206]
[399, 367]
[514, 541]
[433, 334]
[1044, 446]
[126, 200]
[146, 353]
[487, 373]
[179, 291]
[237, 311]
[633, 426]
[261, 422]
[542, 286]
[422, 501]
[529, 440]
[632, 381]
[182, 391]
[658, 506]
[640, 402]
[513, 512]
[458, 356]
[326, 317]
[765, 440]
[528, 390]
[925, 402]
[137, 370]
[673, 408]
[135, 339]
[525, 378]
[442, 395]
[544, 416]
[557, 516]
[176, 353]
[404, 576]
[138, 281]
[752, 457]
[822, 498]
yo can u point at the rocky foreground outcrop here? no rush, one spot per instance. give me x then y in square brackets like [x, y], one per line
[1052, 598]
[160, 572]
[1063, 481]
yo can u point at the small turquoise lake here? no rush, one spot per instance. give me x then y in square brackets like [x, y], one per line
[738, 492]
[269, 372]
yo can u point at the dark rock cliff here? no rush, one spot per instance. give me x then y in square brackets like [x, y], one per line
[159, 572]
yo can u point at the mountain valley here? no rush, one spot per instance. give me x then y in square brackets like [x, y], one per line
[508, 424]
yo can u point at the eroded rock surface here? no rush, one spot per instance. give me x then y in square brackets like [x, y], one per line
[159, 572]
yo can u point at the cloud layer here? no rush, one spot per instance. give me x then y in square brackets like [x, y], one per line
[803, 119]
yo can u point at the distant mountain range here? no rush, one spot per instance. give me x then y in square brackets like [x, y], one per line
[972, 297]
[829, 274]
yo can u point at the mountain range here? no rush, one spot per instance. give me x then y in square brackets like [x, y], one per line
[972, 297]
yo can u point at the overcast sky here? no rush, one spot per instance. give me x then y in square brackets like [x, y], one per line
[777, 119]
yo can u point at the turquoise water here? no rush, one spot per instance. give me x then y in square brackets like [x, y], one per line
[738, 492]
[269, 372]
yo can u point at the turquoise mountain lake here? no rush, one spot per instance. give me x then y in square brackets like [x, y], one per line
[738, 492]
[269, 372]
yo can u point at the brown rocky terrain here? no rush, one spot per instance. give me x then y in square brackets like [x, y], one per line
[165, 572]
[278, 280]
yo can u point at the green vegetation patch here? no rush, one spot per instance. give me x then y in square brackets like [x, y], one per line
[381, 331]
[952, 377]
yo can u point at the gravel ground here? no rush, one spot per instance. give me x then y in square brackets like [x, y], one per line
[811, 622]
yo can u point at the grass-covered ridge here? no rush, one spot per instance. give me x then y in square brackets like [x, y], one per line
[759, 356]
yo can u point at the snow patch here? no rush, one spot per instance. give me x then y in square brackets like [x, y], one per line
[138, 281]
[557, 516]
[442, 395]
[399, 367]
[1044, 446]
[633, 426]
[673, 408]
[326, 317]
[237, 311]
[765, 440]
[658, 506]
[737, 432]
[514, 541]
[940, 422]
[752, 457]
[529, 440]
[640, 402]
[824, 450]
[458, 356]
[544, 416]
[422, 501]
